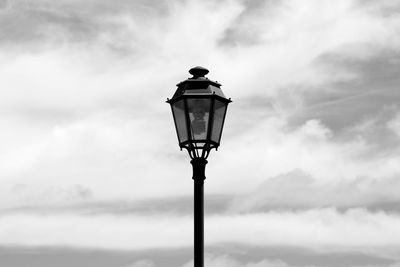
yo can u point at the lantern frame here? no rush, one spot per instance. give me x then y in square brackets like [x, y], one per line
[199, 88]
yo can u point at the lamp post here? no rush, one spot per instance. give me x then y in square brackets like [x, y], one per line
[199, 108]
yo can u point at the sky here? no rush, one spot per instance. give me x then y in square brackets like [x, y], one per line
[308, 171]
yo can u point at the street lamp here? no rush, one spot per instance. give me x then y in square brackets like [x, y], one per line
[199, 108]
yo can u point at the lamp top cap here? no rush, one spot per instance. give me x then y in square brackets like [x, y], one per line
[198, 72]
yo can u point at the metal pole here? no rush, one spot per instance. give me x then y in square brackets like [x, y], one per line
[199, 166]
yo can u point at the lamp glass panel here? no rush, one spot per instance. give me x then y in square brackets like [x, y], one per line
[219, 115]
[199, 114]
[178, 108]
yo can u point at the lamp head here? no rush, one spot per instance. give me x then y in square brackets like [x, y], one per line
[199, 107]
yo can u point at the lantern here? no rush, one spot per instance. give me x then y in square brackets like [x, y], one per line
[199, 107]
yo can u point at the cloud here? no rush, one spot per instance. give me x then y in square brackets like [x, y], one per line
[314, 123]
[299, 190]
[273, 148]
[142, 263]
[79, 90]
[326, 230]
[225, 261]
[394, 124]
[341, 104]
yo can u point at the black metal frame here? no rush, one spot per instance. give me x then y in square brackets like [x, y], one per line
[191, 145]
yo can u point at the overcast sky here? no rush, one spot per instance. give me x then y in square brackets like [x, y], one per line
[308, 172]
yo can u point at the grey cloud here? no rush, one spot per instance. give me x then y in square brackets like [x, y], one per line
[382, 9]
[293, 256]
[233, 37]
[22, 24]
[344, 103]
[85, 204]
[299, 190]
[383, 141]
[66, 257]
[3, 4]
[43, 22]
[239, 33]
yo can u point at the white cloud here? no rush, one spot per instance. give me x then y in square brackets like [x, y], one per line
[84, 118]
[81, 94]
[271, 148]
[326, 230]
[142, 263]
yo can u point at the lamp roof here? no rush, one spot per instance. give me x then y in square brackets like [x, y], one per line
[198, 84]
